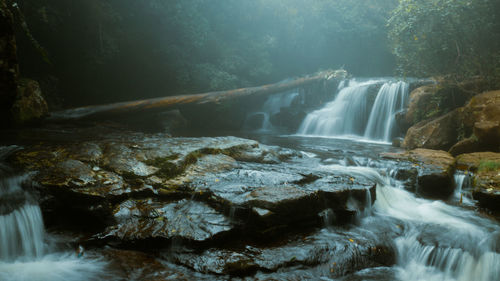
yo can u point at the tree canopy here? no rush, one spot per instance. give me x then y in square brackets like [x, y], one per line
[435, 37]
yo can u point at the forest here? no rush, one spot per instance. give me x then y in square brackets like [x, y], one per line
[250, 140]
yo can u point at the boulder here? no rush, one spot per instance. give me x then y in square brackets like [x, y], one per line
[435, 168]
[29, 104]
[440, 133]
[467, 145]
[485, 167]
[479, 119]
[420, 103]
[482, 116]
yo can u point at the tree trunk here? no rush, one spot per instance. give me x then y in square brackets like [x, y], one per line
[196, 99]
[9, 69]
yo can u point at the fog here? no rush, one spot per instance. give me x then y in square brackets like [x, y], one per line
[116, 50]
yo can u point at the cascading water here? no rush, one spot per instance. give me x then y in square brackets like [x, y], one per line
[273, 106]
[438, 241]
[353, 115]
[391, 98]
[21, 225]
[24, 253]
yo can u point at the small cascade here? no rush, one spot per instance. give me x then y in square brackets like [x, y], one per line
[271, 107]
[356, 113]
[461, 195]
[460, 245]
[21, 224]
[24, 253]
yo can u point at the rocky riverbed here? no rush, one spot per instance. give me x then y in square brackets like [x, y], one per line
[156, 207]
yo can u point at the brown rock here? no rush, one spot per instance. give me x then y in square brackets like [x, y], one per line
[486, 166]
[435, 171]
[467, 145]
[420, 103]
[471, 161]
[440, 133]
[482, 116]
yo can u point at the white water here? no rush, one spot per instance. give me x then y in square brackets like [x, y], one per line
[271, 107]
[390, 99]
[352, 115]
[24, 253]
[461, 247]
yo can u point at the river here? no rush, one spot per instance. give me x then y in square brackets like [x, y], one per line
[430, 239]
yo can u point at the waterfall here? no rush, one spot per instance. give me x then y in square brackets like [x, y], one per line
[24, 253]
[272, 106]
[355, 114]
[21, 225]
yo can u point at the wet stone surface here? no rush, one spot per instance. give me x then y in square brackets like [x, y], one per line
[217, 208]
[146, 219]
[334, 253]
[427, 172]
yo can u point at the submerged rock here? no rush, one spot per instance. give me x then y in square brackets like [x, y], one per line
[434, 177]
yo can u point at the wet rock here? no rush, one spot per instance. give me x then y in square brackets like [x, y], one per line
[335, 253]
[153, 219]
[440, 133]
[482, 114]
[486, 181]
[472, 161]
[435, 171]
[274, 196]
[477, 124]
[467, 145]
[84, 180]
[420, 103]
[133, 265]
[30, 104]
[401, 122]
[397, 142]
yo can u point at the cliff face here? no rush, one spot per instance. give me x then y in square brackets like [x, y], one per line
[9, 70]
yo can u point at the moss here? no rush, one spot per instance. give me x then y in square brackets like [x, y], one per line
[167, 168]
[488, 166]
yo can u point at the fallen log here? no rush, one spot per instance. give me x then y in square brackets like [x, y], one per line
[204, 98]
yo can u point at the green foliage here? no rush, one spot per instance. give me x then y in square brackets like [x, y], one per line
[435, 37]
[488, 166]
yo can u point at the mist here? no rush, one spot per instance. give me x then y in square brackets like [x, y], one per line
[104, 51]
[337, 140]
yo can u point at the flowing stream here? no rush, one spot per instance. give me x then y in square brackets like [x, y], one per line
[433, 240]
